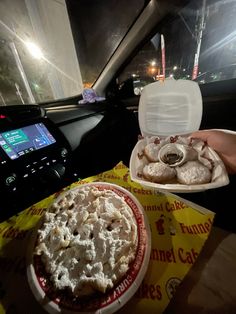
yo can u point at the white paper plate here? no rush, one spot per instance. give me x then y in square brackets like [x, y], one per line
[219, 174]
[115, 298]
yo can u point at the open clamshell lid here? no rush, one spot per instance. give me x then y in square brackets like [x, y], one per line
[166, 109]
[170, 107]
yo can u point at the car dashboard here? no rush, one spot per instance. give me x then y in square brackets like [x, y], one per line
[45, 150]
[34, 157]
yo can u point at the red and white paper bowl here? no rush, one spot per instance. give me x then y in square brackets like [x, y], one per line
[115, 298]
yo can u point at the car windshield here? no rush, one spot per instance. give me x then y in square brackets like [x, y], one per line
[52, 49]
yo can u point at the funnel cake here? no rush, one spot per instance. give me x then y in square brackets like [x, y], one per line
[87, 240]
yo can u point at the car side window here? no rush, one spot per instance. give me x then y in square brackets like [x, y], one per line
[198, 43]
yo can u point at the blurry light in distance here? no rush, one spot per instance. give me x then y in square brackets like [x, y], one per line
[175, 67]
[153, 63]
[36, 86]
[184, 70]
[171, 75]
[153, 70]
[34, 50]
[134, 75]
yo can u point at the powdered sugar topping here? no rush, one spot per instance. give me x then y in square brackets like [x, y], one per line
[87, 240]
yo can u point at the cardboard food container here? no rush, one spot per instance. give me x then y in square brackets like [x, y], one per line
[168, 113]
[56, 301]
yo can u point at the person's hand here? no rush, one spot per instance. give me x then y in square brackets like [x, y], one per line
[223, 143]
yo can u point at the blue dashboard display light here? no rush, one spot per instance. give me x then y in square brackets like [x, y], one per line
[19, 142]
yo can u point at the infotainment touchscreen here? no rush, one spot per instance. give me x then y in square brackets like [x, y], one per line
[22, 141]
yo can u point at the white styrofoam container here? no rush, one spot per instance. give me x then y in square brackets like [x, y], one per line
[169, 108]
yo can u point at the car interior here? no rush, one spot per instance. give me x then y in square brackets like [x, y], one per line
[73, 79]
[88, 138]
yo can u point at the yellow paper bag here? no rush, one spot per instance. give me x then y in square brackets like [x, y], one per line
[178, 227]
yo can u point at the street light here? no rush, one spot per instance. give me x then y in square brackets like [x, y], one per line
[34, 50]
